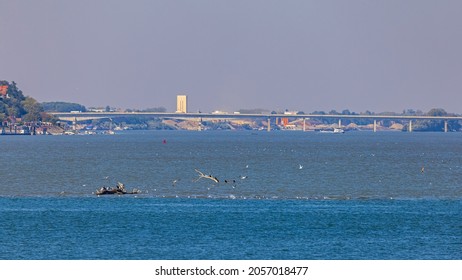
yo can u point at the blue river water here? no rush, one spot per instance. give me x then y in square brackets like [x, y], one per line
[281, 195]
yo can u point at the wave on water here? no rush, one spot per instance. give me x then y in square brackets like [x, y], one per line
[228, 197]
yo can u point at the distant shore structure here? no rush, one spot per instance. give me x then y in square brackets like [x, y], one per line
[181, 103]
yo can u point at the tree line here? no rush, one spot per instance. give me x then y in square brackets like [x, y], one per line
[14, 105]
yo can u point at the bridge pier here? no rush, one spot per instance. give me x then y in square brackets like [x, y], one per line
[76, 118]
[304, 125]
[375, 125]
[74, 124]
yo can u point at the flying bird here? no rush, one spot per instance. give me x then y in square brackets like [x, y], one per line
[202, 175]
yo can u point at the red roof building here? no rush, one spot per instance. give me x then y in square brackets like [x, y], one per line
[3, 90]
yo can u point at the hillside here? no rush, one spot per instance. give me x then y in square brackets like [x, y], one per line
[15, 107]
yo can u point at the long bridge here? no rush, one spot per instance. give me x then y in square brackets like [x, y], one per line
[83, 116]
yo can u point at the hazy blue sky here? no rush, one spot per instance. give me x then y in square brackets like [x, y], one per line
[378, 55]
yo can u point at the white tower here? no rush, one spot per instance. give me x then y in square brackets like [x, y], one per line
[181, 103]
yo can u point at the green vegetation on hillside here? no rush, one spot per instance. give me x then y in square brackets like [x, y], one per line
[11, 103]
[14, 105]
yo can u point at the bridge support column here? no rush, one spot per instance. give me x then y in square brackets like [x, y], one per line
[269, 124]
[74, 124]
[445, 125]
[375, 125]
[410, 125]
[339, 123]
[304, 125]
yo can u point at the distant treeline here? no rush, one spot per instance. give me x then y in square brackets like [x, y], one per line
[418, 125]
[151, 110]
[62, 107]
[14, 105]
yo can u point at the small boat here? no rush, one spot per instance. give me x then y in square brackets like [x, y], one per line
[336, 131]
[119, 189]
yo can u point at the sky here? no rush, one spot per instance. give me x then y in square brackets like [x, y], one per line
[305, 55]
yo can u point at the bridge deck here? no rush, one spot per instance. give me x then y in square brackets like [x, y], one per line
[97, 115]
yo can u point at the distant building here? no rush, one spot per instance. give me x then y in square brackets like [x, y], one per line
[3, 91]
[218, 112]
[181, 103]
[97, 110]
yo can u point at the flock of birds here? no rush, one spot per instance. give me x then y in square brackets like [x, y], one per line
[214, 179]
